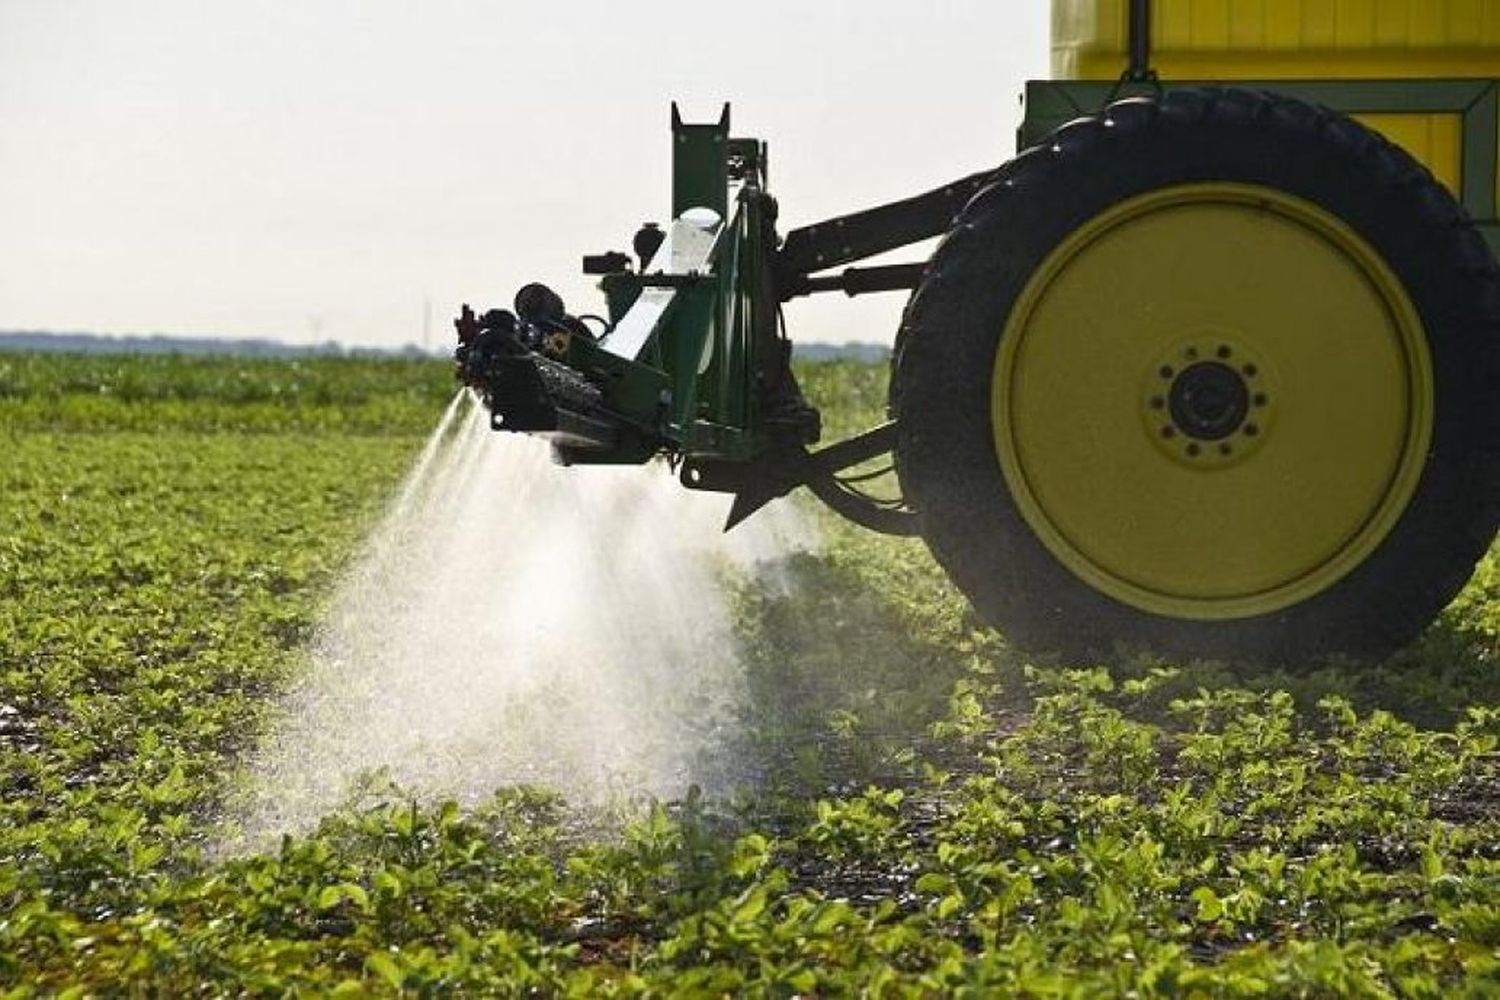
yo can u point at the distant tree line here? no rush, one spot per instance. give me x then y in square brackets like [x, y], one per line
[160, 343]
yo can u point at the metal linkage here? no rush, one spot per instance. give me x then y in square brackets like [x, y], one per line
[856, 280]
[1139, 70]
[853, 237]
[777, 473]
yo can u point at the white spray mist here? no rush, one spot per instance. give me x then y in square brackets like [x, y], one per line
[515, 622]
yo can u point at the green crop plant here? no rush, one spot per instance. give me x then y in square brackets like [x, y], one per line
[935, 815]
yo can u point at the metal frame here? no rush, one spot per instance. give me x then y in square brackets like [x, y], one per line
[1051, 103]
[690, 332]
[693, 363]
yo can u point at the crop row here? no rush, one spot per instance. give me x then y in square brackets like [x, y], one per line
[936, 814]
[100, 392]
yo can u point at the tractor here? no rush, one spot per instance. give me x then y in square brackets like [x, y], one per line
[1210, 368]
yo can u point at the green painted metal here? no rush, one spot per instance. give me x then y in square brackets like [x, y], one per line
[620, 292]
[1481, 149]
[727, 422]
[1051, 103]
[713, 355]
[681, 364]
[700, 164]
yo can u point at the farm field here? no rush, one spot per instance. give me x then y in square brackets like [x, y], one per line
[936, 814]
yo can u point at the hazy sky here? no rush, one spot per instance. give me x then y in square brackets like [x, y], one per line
[316, 169]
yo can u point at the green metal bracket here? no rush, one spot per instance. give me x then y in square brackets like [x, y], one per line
[700, 164]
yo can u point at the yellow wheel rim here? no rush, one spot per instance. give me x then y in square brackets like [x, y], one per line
[1212, 401]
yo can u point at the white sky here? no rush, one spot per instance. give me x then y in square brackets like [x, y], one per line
[315, 169]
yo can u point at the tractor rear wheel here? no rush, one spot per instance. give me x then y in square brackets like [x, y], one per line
[1216, 374]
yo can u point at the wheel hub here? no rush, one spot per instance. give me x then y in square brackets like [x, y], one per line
[1207, 402]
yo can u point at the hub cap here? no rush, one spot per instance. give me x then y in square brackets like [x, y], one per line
[1207, 401]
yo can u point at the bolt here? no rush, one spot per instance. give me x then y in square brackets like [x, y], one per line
[1166, 371]
[1251, 430]
[1193, 450]
[1224, 351]
[1169, 431]
[1250, 371]
[1260, 399]
[1157, 402]
[1225, 449]
[1192, 352]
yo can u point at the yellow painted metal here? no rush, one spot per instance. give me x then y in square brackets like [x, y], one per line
[1229, 40]
[1332, 330]
[1284, 39]
[1435, 140]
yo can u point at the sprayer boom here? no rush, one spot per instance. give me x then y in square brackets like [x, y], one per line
[691, 360]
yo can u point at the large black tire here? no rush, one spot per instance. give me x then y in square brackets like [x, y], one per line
[945, 377]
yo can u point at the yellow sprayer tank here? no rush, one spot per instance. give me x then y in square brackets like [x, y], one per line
[1264, 40]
